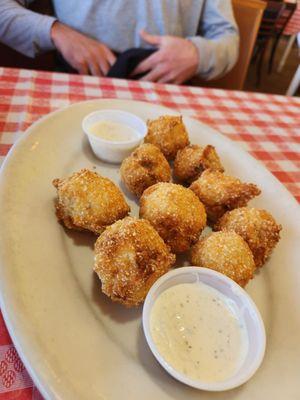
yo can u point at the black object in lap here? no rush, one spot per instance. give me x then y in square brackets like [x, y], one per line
[122, 68]
[127, 61]
[62, 65]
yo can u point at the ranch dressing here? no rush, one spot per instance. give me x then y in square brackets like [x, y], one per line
[198, 332]
[113, 131]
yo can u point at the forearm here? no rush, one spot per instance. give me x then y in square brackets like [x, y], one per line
[216, 56]
[217, 40]
[24, 30]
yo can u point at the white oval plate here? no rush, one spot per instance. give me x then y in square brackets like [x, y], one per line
[75, 342]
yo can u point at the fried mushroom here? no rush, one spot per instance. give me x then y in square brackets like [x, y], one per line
[257, 227]
[129, 257]
[225, 252]
[175, 212]
[143, 168]
[168, 133]
[191, 161]
[88, 201]
[220, 193]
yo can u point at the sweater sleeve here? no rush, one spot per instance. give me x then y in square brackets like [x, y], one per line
[218, 39]
[24, 30]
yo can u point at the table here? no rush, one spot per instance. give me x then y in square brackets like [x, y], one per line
[267, 126]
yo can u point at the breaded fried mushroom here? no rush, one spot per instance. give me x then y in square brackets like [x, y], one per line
[220, 193]
[88, 201]
[168, 133]
[175, 212]
[129, 257]
[225, 252]
[257, 227]
[191, 161]
[143, 168]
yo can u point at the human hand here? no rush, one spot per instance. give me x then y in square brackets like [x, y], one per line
[86, 55]
[175, 61]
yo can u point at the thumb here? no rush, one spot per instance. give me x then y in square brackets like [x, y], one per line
[151, 39]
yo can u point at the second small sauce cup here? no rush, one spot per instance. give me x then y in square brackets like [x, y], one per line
[240, 301]
[111, 150]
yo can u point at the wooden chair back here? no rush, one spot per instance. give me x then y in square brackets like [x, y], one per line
[285, 17]
[248, 15]
[272, 18]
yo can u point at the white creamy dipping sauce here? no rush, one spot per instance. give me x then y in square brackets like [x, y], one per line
[198, 332]
[113, 131]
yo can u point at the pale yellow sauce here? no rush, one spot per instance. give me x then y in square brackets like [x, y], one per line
[113, 131]
[197, 331]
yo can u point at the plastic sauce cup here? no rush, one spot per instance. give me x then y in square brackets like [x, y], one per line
[114, 151]
[243, 302]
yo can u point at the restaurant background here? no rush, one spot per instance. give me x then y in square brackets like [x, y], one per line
[254, 18]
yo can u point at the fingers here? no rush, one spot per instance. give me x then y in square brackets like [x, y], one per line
[146, 65]
[83, 69]
[168, 78]
[105, 59]
[95, 69]
[155, 40]
[101, 61]
[104, 65]
[111, 58]
[98, 67]
[171, 77]
[154, 75]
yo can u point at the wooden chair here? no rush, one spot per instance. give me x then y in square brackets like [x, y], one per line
[291, 31]
[248, 15]
[295, 83]
[283, 20]
[275, 19]
[266, 32]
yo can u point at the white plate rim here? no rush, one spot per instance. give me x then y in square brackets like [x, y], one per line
[38, 380]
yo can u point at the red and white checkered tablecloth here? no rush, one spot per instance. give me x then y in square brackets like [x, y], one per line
[267, 126]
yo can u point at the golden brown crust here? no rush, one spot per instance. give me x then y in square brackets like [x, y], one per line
[191, 161]
[129, 257]
[187, 164]
[257, 227]
[175, 212]
[211, 159]
[143, 168]
[88, 201]
[225, 252]
[168, 133]
[220, 193]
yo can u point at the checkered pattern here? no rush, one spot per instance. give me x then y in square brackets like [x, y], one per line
[267, 126]
[293, 26]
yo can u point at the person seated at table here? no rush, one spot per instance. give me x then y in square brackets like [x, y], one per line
[191, 37]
